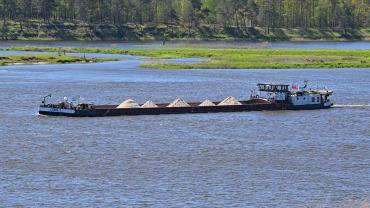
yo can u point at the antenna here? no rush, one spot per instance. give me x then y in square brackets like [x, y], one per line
[305, 83]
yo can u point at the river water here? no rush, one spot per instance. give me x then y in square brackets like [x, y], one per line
[358, 45]
[315, 158]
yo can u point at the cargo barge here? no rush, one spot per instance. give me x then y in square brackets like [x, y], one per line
[270, 97]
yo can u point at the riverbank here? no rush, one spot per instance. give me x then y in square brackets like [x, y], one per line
[216, 58]
[55, 30]
[261, 59]
[6, 60]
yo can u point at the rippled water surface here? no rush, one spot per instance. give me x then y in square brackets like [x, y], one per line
[359, 45]
[315, 158]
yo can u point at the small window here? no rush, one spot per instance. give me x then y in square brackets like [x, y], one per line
[313, 99]
[318, 99]
[297, 98]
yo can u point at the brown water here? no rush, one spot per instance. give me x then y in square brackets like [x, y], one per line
[315, 158]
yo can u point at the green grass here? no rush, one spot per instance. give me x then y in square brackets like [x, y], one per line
[215, 58]
[46, 59]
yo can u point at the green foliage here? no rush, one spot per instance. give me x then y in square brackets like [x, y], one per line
[178, 18]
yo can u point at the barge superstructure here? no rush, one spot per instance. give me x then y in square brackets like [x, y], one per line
[269, 97]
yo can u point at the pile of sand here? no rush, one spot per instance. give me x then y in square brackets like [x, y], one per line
[230, 101]
[207, 103]
[129, 104]
[149, 104]
[178, 103]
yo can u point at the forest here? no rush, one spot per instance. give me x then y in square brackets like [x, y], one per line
[138, 19]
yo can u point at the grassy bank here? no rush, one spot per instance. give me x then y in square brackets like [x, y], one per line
[59, 30]
[237, 58]
[263, 59]
[46, 59]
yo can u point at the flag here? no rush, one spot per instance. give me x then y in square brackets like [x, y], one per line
[295, 87]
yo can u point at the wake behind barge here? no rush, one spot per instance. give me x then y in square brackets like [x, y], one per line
[279, 97]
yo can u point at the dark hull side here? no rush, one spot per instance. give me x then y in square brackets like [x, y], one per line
[109, 111]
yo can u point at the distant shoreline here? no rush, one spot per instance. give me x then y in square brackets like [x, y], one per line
[38, 59]
[68, 31]
[232, 58]
[192, 40]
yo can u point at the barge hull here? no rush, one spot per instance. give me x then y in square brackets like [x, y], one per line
[102, 111]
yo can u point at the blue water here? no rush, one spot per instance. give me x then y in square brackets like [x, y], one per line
[314, 158]
[358, 45]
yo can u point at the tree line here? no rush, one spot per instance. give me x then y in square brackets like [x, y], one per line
[240, 14]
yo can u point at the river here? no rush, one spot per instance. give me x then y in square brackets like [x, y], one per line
[314, 158]
[358, 45]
